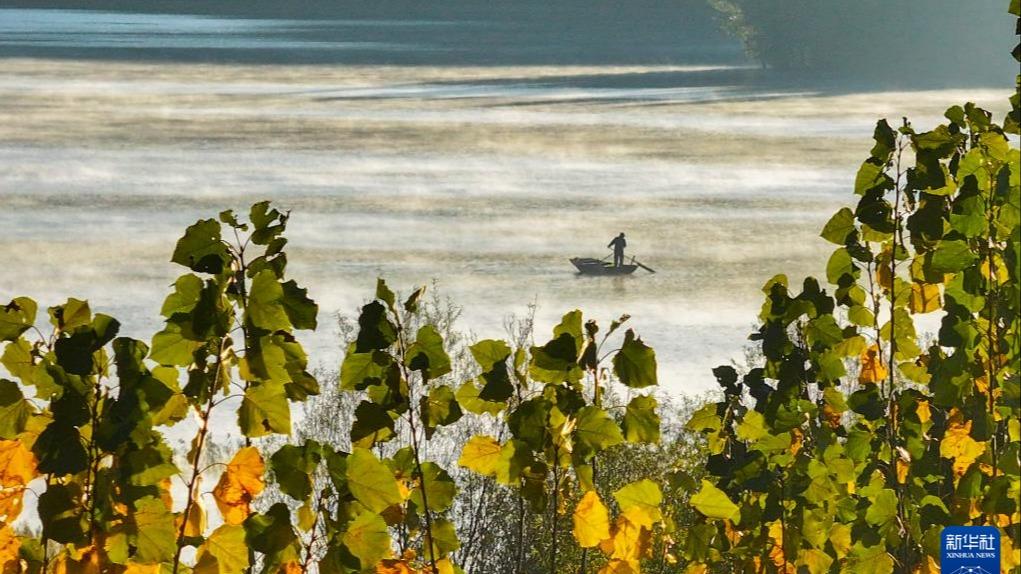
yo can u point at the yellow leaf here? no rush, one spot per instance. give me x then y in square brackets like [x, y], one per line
[239, 484]
[872, 368]
[135, 568]
[445, 566]
[620, 567]
[902, 471]
[776, 551]
[591, 521]
[840, 538]
[481, 454]
[17, 464]
[1010, 557]
[924, 412]
[17, 469]
[290, 567]
[696, 568]
[9, 545]
[958, 445]
[924, 298]
[628, 541]
[394, 567]
[196, 524]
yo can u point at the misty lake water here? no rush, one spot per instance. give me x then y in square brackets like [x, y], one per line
[485, 177]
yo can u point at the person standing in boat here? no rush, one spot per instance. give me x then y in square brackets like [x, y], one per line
[618, 244]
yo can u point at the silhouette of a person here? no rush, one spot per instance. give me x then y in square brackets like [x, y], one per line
[618, 244]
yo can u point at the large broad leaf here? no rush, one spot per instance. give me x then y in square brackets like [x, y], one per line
[635, 363]
[265, 410]
[371, 481]
[427, 355]
[839, 227]
[201, 249]
[640, 501]
[367, 538]
[14, 409]
[597, 429]
[481, 454]
[591, 521]
[439, 408]
[300, 309]
[293, 467]
[952, 256]
[271, 532]
[714, 503]
[375, 331]
[155, 532]
[265, 307]
[241, 482]
[16, 317]
[373, 424]
[224, 552]
[59, 450]
[641, 423]
[438, 486]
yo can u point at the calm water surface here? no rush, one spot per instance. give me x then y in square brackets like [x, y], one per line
[484, 178]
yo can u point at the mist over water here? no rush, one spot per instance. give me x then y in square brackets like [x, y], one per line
[484, 175]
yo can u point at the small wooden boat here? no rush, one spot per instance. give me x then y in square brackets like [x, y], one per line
[589, 266]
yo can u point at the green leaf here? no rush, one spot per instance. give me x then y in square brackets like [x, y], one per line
[59, 449]
[468, 396]
[300, 309]
[265, 307]
[171, 347]
[715, 503]
[439, 488]
[439, 408]
[952, 256]
[224, 552]
[840, 269]
[360, 370]
[444, 537]
[16, 317]
[704, 419]
[883, 508]
[644, 495]
[375, 331]
[265, 410]
[597, 429]
[371, 481]
[641, 423]
[492, 356]
[14, 409]
[201, 248]
[839, 227]
[293, 467]
[271, 532]
[155, 534]
[373, 424]
[752, 427]
[427, 355]
[59, 513]
[367, 538]
[635, 363]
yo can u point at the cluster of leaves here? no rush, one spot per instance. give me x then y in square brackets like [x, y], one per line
[818, 470]
[91, 429]
[87, 420]
[558, 427]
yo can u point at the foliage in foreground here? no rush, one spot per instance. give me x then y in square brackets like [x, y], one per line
[847, 450]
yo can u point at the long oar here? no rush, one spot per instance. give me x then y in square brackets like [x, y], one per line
[643, 266]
